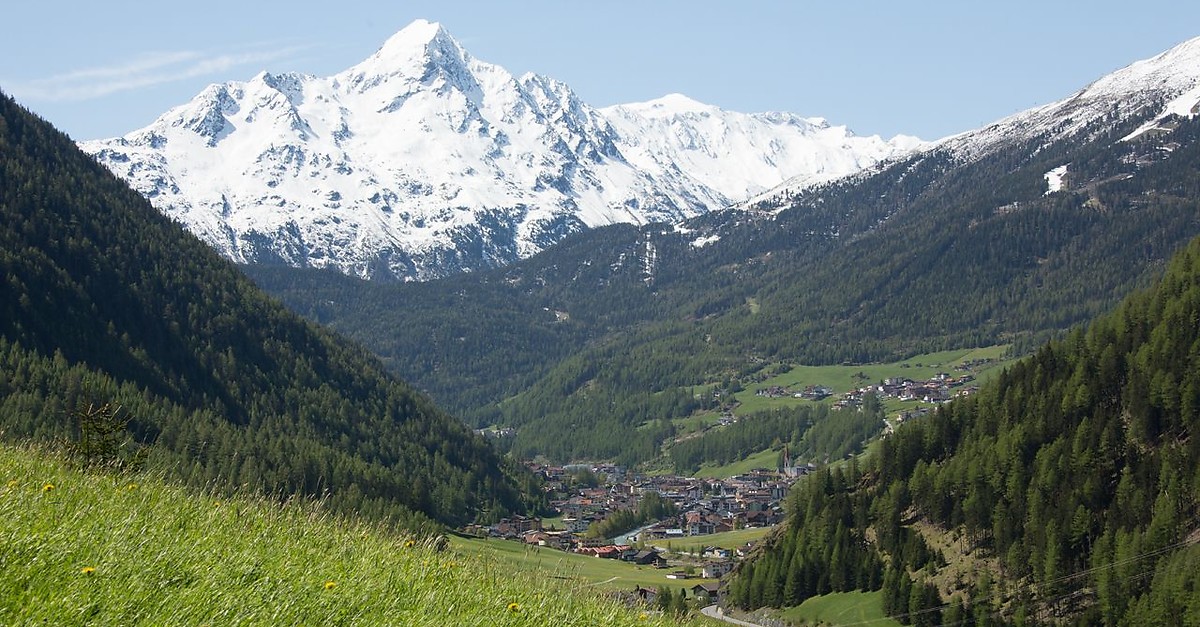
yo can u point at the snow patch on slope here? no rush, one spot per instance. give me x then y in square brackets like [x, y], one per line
[1054, 179]
[1186, 105]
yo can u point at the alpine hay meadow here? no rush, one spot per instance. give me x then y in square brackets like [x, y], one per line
[82, 548]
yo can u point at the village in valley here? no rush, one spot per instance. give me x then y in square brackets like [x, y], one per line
[586, 495]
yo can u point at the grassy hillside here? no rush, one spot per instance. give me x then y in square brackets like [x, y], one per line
[590, 572]
[727, 539]
[763, 459]
[841, 608]
[101, 549]
[104, 301]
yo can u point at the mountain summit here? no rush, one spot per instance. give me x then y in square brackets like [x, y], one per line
[414, 46]
[422, 161]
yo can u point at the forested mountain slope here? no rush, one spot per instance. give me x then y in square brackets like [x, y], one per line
[612, 328]
[104, 300]
[1068, 490]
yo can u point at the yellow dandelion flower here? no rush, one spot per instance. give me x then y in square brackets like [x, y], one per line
[131, 486]
[87, 570]
[330, 585]
[409, 543]
[12, 484]
[514, 607]
[48, 487]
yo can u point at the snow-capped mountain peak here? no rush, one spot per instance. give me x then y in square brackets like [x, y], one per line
[421, 161]
[411, 51]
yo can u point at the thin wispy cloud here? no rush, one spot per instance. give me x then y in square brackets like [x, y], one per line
[145, 71]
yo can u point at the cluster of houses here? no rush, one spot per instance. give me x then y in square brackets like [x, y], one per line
[705, 506]
[939, 389]
[497, 433]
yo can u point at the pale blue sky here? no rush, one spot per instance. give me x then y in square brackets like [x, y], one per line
[925, 68]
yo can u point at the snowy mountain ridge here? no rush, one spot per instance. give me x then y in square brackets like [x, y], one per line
[1163, 86]
[1137, 89]
[422, 161]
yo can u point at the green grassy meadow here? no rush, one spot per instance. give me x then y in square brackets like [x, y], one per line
[763, 459]
[726, 540]
[696, 422]
[593, 572]
[78, 548]
[841, 608]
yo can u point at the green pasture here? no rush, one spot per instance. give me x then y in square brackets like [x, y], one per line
[841, 608]
[553, 565]
[82, 548]
[764, 459]
[726, 540]
[696, 422]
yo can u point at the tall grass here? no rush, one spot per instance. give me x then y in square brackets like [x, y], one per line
[81, 548]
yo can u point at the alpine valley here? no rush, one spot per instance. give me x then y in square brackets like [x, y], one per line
[423, 161]
[597, 285]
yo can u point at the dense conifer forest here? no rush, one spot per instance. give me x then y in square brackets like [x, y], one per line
[103, 301]
[1066, 491]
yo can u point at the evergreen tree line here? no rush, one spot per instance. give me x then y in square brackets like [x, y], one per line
[821, 550]
[1077, 472]
[652, 507]
[671, 603]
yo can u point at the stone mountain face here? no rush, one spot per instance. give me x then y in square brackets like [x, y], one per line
[423, 161]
